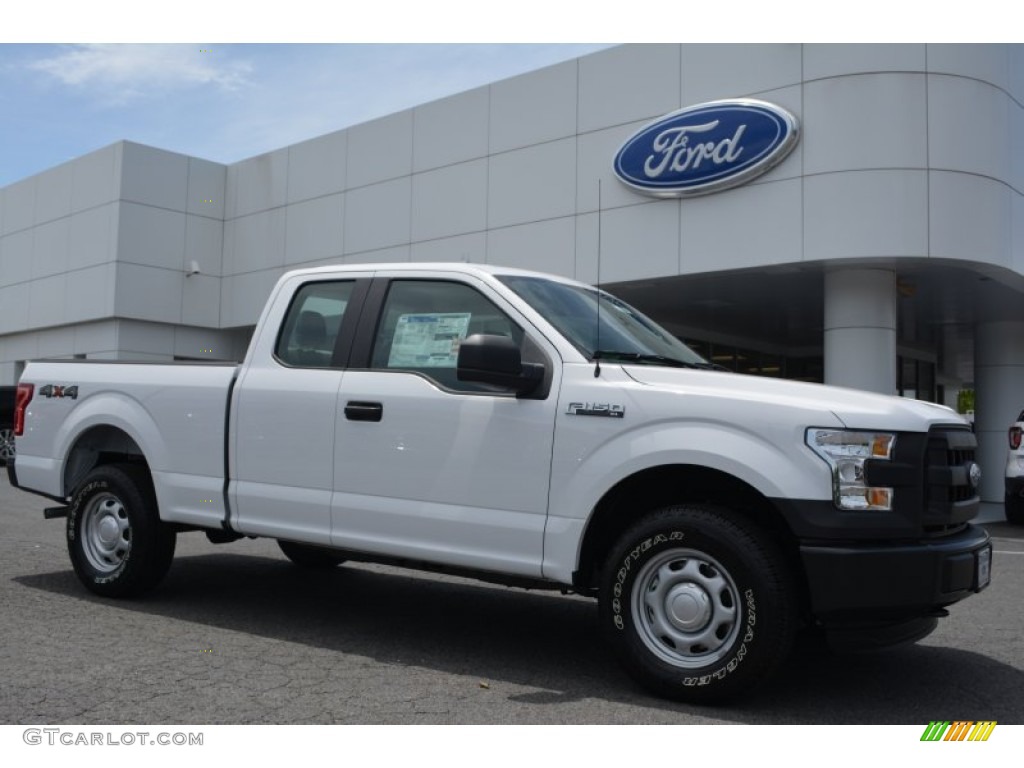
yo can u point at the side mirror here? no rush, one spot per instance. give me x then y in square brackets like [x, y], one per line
[497, 360]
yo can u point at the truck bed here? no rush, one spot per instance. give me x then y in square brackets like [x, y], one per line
[174, 412]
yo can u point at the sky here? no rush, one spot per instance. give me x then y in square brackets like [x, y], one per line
[226, 102]
[230, 80]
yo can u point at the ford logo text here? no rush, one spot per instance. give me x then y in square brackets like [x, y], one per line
[707, 148]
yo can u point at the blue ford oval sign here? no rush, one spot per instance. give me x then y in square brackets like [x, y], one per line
[707, 148]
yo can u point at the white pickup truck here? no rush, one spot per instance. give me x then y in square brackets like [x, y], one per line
[531, 431]
[1014, 501]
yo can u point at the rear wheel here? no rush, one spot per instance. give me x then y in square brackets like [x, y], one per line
[309, 556]
[698, 603]
[117, 543]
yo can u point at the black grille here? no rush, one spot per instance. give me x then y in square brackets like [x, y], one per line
[951, 495]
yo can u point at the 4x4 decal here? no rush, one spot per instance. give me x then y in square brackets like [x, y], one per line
[59, 390]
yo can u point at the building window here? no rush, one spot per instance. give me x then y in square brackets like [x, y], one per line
[916, 379]
[756, 363]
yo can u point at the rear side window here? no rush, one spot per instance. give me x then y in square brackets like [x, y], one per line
[312, 324]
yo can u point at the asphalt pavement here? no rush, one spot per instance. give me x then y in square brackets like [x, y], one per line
[236, 634]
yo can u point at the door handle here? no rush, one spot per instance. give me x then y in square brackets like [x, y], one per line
[356, 410]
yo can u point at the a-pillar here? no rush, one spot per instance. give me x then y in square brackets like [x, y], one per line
[998, 397]
[860, 329]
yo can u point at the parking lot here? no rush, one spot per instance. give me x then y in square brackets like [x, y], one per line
[236, 634]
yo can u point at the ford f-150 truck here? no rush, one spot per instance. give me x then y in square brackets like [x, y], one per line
[531, 431]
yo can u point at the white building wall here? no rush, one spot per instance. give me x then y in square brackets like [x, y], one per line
[908, 151]
[171, 213]
[57, 244]
[904, 155]
[108, 235]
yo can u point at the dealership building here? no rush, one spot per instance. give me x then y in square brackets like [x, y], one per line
[881, 248]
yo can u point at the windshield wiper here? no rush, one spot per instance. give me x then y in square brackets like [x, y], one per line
[637, 357]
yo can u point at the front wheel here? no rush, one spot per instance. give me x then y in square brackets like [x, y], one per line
[117, 543]
[698, 603]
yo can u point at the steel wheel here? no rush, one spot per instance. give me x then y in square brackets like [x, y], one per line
[106, 533]
[6, 445]
[117, 542]
[698, 602]
[686, 608]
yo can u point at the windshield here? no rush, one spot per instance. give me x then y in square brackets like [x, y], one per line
[622, 332]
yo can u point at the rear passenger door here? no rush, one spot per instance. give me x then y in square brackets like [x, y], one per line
[285, 408]
[431, 468]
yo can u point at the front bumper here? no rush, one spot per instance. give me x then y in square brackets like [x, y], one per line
[889, 581]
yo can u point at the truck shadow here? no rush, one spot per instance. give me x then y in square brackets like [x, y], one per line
[545, 641]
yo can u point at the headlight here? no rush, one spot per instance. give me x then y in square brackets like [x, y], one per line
[845, 452]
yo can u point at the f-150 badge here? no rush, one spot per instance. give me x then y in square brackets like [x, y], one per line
[609, 410]
[59, 390]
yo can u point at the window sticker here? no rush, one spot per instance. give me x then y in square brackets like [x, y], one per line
[429, 340]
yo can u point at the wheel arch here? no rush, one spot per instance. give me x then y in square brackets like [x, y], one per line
[97, 446]
[655, 487]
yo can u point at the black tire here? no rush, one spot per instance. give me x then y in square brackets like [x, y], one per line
[722, 611]
[1014, 508]
[118, 545]
[6, 445]
[309, 556]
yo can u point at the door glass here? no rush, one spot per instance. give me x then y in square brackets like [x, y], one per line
[312, 324]
[425, 321]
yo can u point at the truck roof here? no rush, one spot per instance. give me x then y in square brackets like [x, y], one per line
[461, 267]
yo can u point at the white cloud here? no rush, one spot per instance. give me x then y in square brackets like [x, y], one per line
[127, 71]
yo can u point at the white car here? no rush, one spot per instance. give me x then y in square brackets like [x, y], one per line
[1015, 473]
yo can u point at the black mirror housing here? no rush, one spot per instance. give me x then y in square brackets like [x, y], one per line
[497, 360]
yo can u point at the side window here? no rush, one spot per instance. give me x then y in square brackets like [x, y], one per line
[423, 323]
[312, 324]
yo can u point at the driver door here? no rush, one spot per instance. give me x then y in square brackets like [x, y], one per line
[430, 468]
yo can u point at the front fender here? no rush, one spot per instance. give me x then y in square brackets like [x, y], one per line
[775, 471]
[776, 468]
